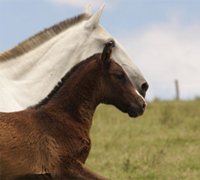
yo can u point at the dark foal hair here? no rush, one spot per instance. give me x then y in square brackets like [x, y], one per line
[51, 140]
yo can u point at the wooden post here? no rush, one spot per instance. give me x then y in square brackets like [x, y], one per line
[177, 89]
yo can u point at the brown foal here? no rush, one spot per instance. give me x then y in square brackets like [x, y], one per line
[53, 136]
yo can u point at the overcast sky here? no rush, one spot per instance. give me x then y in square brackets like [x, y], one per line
[161, 36]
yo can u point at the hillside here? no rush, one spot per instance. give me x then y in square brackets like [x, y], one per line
[163, 144]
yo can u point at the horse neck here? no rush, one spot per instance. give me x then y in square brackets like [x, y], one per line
[42, 67]
[79, 95]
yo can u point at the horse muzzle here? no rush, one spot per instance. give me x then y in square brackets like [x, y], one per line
[137, 109]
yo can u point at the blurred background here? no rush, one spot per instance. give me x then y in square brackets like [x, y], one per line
[162, 37]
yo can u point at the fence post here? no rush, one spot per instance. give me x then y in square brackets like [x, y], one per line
[177, 90]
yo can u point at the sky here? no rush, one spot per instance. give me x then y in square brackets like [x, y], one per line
[161, 36]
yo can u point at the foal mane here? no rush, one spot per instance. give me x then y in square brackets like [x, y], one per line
[64, 79]
[41, 37]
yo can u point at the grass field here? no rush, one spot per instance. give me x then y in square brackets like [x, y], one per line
[163, 144]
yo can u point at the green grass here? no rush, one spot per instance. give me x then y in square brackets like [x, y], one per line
[163, 144]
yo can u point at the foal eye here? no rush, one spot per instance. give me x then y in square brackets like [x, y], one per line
[119, 76]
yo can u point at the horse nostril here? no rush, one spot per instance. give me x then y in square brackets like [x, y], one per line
[145, 87]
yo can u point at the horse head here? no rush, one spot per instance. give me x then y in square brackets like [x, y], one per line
[98, 37]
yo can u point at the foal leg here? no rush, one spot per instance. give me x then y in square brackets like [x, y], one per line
[90, 174]
[36, 177]
[79, 172]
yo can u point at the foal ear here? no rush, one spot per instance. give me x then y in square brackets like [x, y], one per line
[107, 52]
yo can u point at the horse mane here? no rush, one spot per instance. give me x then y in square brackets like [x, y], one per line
[41, 37]
[63, 80]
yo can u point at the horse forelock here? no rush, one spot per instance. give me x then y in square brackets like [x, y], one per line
[41, 37]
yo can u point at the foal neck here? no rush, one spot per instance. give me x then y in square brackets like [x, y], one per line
[79, 95]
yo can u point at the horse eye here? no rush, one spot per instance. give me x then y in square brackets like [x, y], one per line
[119, 76]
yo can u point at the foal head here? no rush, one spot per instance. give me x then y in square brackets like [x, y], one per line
[116, 87]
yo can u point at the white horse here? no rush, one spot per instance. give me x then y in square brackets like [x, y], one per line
[29, 71]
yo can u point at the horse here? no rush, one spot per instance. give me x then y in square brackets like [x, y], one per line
[53, 136]
[38, 63]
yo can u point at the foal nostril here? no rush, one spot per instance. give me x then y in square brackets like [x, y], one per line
[145, 87]
[144, 106]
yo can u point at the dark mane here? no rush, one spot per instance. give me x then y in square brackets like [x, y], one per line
[63, 80]
[41, 37]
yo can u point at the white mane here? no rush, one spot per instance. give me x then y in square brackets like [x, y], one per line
[41, 37]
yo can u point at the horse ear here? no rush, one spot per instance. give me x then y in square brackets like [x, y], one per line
[107, 52]
[94, 20]
[87, 10]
